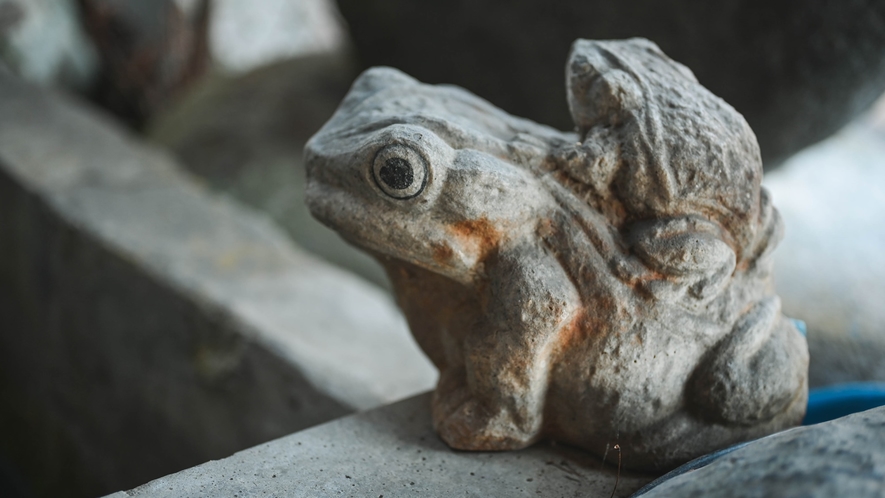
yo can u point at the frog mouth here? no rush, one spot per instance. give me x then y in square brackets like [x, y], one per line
[370, 229]
[325, 204]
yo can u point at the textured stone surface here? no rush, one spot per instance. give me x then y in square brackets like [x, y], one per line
[237, 136]
[830, 270]
[609, 285]
[149, 326]
[844, 457]
[797, 70]
[393, 452]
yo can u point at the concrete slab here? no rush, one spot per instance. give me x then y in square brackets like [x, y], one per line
[843, 457]
[258, 158]
[147, 325]
[393, 452]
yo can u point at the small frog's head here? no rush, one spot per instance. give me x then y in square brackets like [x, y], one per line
[426, 174]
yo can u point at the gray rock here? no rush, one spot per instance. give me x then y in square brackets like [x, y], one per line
[610, 286]
[149, 326]
[844, 457]
[831, 266]
[797, 71]
[392, 451]
[234, 134]
[42, 42]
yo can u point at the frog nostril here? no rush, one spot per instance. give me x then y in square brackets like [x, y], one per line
[397, 173]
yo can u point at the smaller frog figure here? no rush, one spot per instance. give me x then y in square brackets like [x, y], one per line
[607, 286]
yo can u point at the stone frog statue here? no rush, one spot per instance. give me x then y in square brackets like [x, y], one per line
[606, 287]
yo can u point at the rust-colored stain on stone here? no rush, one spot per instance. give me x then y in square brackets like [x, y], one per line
[574, 332]
[442, 253]
[480, 232]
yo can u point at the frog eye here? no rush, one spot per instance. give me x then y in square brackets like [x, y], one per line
[400, 171]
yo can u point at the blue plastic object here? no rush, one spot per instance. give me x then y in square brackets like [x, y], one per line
[832, 402]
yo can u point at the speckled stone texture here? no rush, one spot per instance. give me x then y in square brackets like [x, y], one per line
[844, 457]
[609, 286]
[393, 451]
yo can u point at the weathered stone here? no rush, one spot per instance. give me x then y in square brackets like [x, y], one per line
[393, 452]
[831, 266]
[148, 326]
[798, 70]
[610, 286]
[42, 42]
[233, 133]
[844, 457]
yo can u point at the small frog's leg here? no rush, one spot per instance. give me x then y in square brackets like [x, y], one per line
[756, 373]
[496, 402]
[690, 251]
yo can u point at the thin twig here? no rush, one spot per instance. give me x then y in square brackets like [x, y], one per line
[618, 476]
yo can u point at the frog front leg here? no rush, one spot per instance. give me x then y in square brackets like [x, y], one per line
[495, 401]
[756, 374]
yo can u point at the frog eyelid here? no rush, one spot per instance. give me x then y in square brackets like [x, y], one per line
[400, 170]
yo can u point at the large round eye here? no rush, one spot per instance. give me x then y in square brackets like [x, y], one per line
[400, 171]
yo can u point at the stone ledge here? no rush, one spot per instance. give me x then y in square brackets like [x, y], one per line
[149, 326]
[392, 452]
[842, 457]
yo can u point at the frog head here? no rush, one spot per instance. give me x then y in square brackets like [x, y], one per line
[431, 175]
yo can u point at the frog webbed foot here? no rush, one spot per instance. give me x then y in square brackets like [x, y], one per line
[756, 374]
[470, 424]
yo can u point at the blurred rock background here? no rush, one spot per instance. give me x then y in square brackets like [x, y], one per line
[830, 267]
[234, 89]
[796, 69]
[43, 41]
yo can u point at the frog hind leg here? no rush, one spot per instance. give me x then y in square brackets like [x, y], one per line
[756, 374]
